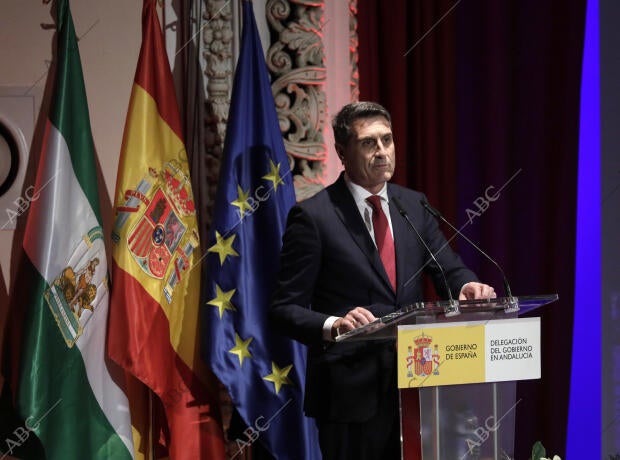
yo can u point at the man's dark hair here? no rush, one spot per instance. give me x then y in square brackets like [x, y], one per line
[349, 113]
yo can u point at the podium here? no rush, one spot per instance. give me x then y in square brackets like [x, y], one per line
[472, 421]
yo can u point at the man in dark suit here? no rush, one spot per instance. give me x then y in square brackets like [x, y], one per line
[348, 258]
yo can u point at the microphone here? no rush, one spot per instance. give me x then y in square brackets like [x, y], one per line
[438, 215]
[454, 305]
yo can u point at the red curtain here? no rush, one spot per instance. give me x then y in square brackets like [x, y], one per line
[486, 94]
[406, 68]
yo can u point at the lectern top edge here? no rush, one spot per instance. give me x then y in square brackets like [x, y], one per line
[500, 307]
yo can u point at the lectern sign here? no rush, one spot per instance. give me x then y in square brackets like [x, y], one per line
[468, 352]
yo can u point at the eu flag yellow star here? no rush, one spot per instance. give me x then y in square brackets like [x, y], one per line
[274, 175]
[242, 201]
[222, 300]
[223, 246]
[279, 376]
[241, 348]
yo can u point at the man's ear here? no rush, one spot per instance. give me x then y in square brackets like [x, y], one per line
[339, 151]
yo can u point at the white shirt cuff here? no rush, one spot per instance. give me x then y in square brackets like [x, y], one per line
[327, 328]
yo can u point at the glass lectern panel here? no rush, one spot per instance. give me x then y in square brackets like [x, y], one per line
[467, 422]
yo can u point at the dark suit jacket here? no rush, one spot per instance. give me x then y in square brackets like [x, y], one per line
[329, 265]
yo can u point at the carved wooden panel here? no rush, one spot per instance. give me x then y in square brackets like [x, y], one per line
[353, 51]
[218, 54]
[296, 60]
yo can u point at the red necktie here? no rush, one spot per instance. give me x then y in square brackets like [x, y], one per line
[383, 238]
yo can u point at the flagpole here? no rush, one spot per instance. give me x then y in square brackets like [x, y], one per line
[151, 442]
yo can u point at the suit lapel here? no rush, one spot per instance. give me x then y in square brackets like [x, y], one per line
[347, 211]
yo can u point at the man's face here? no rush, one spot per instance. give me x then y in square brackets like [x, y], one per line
[368, 157]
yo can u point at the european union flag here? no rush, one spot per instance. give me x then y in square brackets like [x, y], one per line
[263, 372]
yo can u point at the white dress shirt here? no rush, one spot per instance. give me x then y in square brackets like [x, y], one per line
[365, 209]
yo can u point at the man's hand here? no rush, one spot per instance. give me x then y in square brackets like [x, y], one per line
[477, 291]
[357, 317]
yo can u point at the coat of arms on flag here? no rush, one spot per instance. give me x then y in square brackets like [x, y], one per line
[159, 240]
[76, 292]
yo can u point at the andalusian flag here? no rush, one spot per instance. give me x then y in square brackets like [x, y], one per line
[156, 272]
[263, 371]
[61, 381]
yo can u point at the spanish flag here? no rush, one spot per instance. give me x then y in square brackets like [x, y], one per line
[153, 331]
